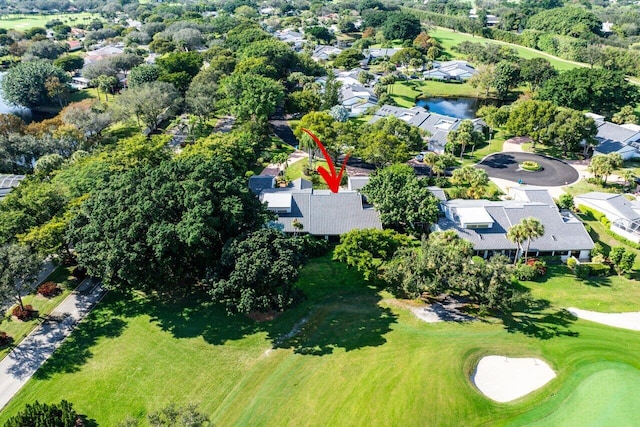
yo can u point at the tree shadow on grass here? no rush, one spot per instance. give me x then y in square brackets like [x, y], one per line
[76, 349]
[349, 322]
[537, 319]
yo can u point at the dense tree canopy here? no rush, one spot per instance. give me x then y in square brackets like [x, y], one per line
[251, 96]
[403, 200]
[134, 103]
[596, 90]
[160, 227]
[567, 21]
[19, 269]
[368, 249]
[257, 272]
[443, 264]
[25, 84]
[402, 26]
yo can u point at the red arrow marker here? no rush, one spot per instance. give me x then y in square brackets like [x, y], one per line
[332, 180]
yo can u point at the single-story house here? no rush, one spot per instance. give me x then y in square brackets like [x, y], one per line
[613, 138]
[8, 183]
[450, 70]
[486, 223]
[74, 45]
[624, 214]
[103, 52]
[320, 212]
[438, 125]
[293, 38]
[357, 99]
[378, 53]
[324, 52]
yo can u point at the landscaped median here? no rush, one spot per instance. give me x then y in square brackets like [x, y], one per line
[16, 329]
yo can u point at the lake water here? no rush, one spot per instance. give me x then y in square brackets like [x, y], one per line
[6, 108]
[462, 107]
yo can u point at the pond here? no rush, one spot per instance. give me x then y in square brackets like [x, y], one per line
[461, 107]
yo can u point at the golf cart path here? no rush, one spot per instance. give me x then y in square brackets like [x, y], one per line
[26, 357]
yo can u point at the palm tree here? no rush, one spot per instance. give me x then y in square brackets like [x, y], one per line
[533, 229]
[516, 234]
[430, 159]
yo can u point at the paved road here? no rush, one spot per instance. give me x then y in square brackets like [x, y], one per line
[25, 359]
[282, 129]
[506, 166]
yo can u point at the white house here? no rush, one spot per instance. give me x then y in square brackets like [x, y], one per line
[450, 71]
[624, 214]
[485, 224]
[614, 138]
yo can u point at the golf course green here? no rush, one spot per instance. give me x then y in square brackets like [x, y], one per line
[349, 355]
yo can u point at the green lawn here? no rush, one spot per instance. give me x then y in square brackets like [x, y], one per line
[355, 357]
[22, 21]
[18, 329]
[582, 187]
[605, 294]
[296, 170]
[449, 38]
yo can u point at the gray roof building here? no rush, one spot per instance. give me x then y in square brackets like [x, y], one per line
[486, 223]
[257, 183]
[438, 125]
[321, 212]
[614, 138]
[624, 214]
[8, 183]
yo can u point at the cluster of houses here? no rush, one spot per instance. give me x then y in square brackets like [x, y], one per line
[438, 126]
[302, 209]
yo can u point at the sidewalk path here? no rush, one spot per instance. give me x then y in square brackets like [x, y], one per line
[25, 359]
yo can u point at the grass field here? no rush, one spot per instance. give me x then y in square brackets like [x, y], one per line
[449, 38]
[22, 22]
[355, 357]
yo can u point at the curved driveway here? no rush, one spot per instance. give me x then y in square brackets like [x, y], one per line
[554, 172]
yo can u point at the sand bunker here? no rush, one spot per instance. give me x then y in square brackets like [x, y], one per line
[629, 320]
[504, 379]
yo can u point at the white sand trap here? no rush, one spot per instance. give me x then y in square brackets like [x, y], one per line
[504, 379]
[629, 320]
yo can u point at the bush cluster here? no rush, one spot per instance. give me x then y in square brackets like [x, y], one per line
[530, 166]
[5, 339]
[48, 289]
[25, 313]
[44, 415]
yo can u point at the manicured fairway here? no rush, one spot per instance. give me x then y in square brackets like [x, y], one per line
[449, 38]
[22, 22]
[348, 355]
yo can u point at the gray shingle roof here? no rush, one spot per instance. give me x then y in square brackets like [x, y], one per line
[615, 132]
[257, 183]
[616, 203]
[327, 213]
[563, 231]
[438, 125]
[609, 146]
